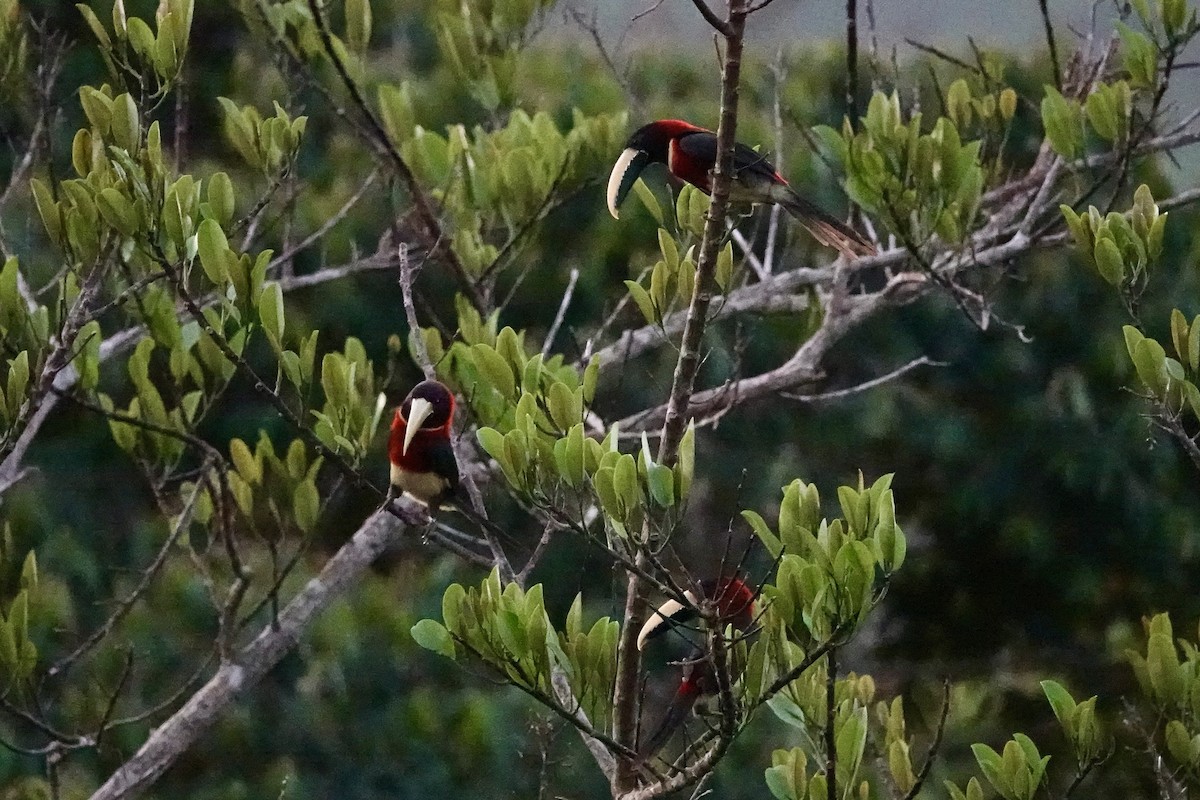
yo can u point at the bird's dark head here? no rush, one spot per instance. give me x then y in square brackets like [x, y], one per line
[730, 598]
[429, 406]
[649, 144]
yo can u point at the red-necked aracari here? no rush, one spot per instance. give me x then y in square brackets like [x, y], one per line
[735, 605]
[690, 153]
[419, 448]
[733, 598]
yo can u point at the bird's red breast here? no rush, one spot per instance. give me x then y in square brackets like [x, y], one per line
[417, 458]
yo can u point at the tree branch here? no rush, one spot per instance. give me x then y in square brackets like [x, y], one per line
[684, 380]
[178, 733]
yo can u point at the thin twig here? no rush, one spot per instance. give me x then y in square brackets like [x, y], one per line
[328, 225]
[562, 312]
[852, 59]
[431, 229]
[416, 337]
[830, 725]
[934, 746]
[839, 394]
[1051, 42]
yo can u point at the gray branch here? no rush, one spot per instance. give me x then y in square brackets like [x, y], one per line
[252, 662]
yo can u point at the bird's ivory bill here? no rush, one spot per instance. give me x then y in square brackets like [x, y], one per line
[624, 173]
[418, 412]
[661, 614]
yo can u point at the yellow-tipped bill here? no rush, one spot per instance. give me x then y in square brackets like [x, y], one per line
[418, 412]
[624, 173]
[660, 615]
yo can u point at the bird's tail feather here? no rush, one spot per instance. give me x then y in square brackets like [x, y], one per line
[677, 712]
[825, 229]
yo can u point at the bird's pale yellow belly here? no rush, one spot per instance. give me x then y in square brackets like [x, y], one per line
[422, 486]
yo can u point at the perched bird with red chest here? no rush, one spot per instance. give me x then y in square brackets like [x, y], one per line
[690, 154]
[419, 447]
[735, 605]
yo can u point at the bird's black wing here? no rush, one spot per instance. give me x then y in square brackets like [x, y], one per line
[441, 458]
[702, 147]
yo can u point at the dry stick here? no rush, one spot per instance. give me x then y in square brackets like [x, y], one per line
[803, 366]
[326, 226]
[935, 746]
[839, 394]
[686, 367]
[852, 59]
[183, 728]
[830, 737]
[125, 605]
[562, 312]
[1043, 6]
[421, 353]
[431, 228]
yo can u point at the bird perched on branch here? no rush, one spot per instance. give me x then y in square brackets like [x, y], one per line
[419, 448]
[690, 154]
[734, 601]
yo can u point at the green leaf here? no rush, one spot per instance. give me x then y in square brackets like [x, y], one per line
[214, 251]
[29, 572]
[1062, 703]
[644, 303]
[8, 648]
[779, 783]
[247, 465]
[306, 505]
[1149, 359]
[495, 370]
[117, 211]
[1103, 114]
[358, 24]
[685, 465]
[125, 124]
[1109, 262]
[993, 767]
[221, 198]
[395, 103]
[763, 531]
[670, 251]
[1179, 742]
[1061, 119]
[97, 107]
[660, 479]
[433, 636]
[648, 200]
[270, 313]
[48, 210]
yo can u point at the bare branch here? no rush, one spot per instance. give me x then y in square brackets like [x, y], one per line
[562, 312]
[174, 736]
[719, 25]
[421, 353]
[839, 394]
[326, 226]
[1051, 42]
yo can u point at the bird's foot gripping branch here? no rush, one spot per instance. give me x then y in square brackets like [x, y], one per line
[750, 643]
